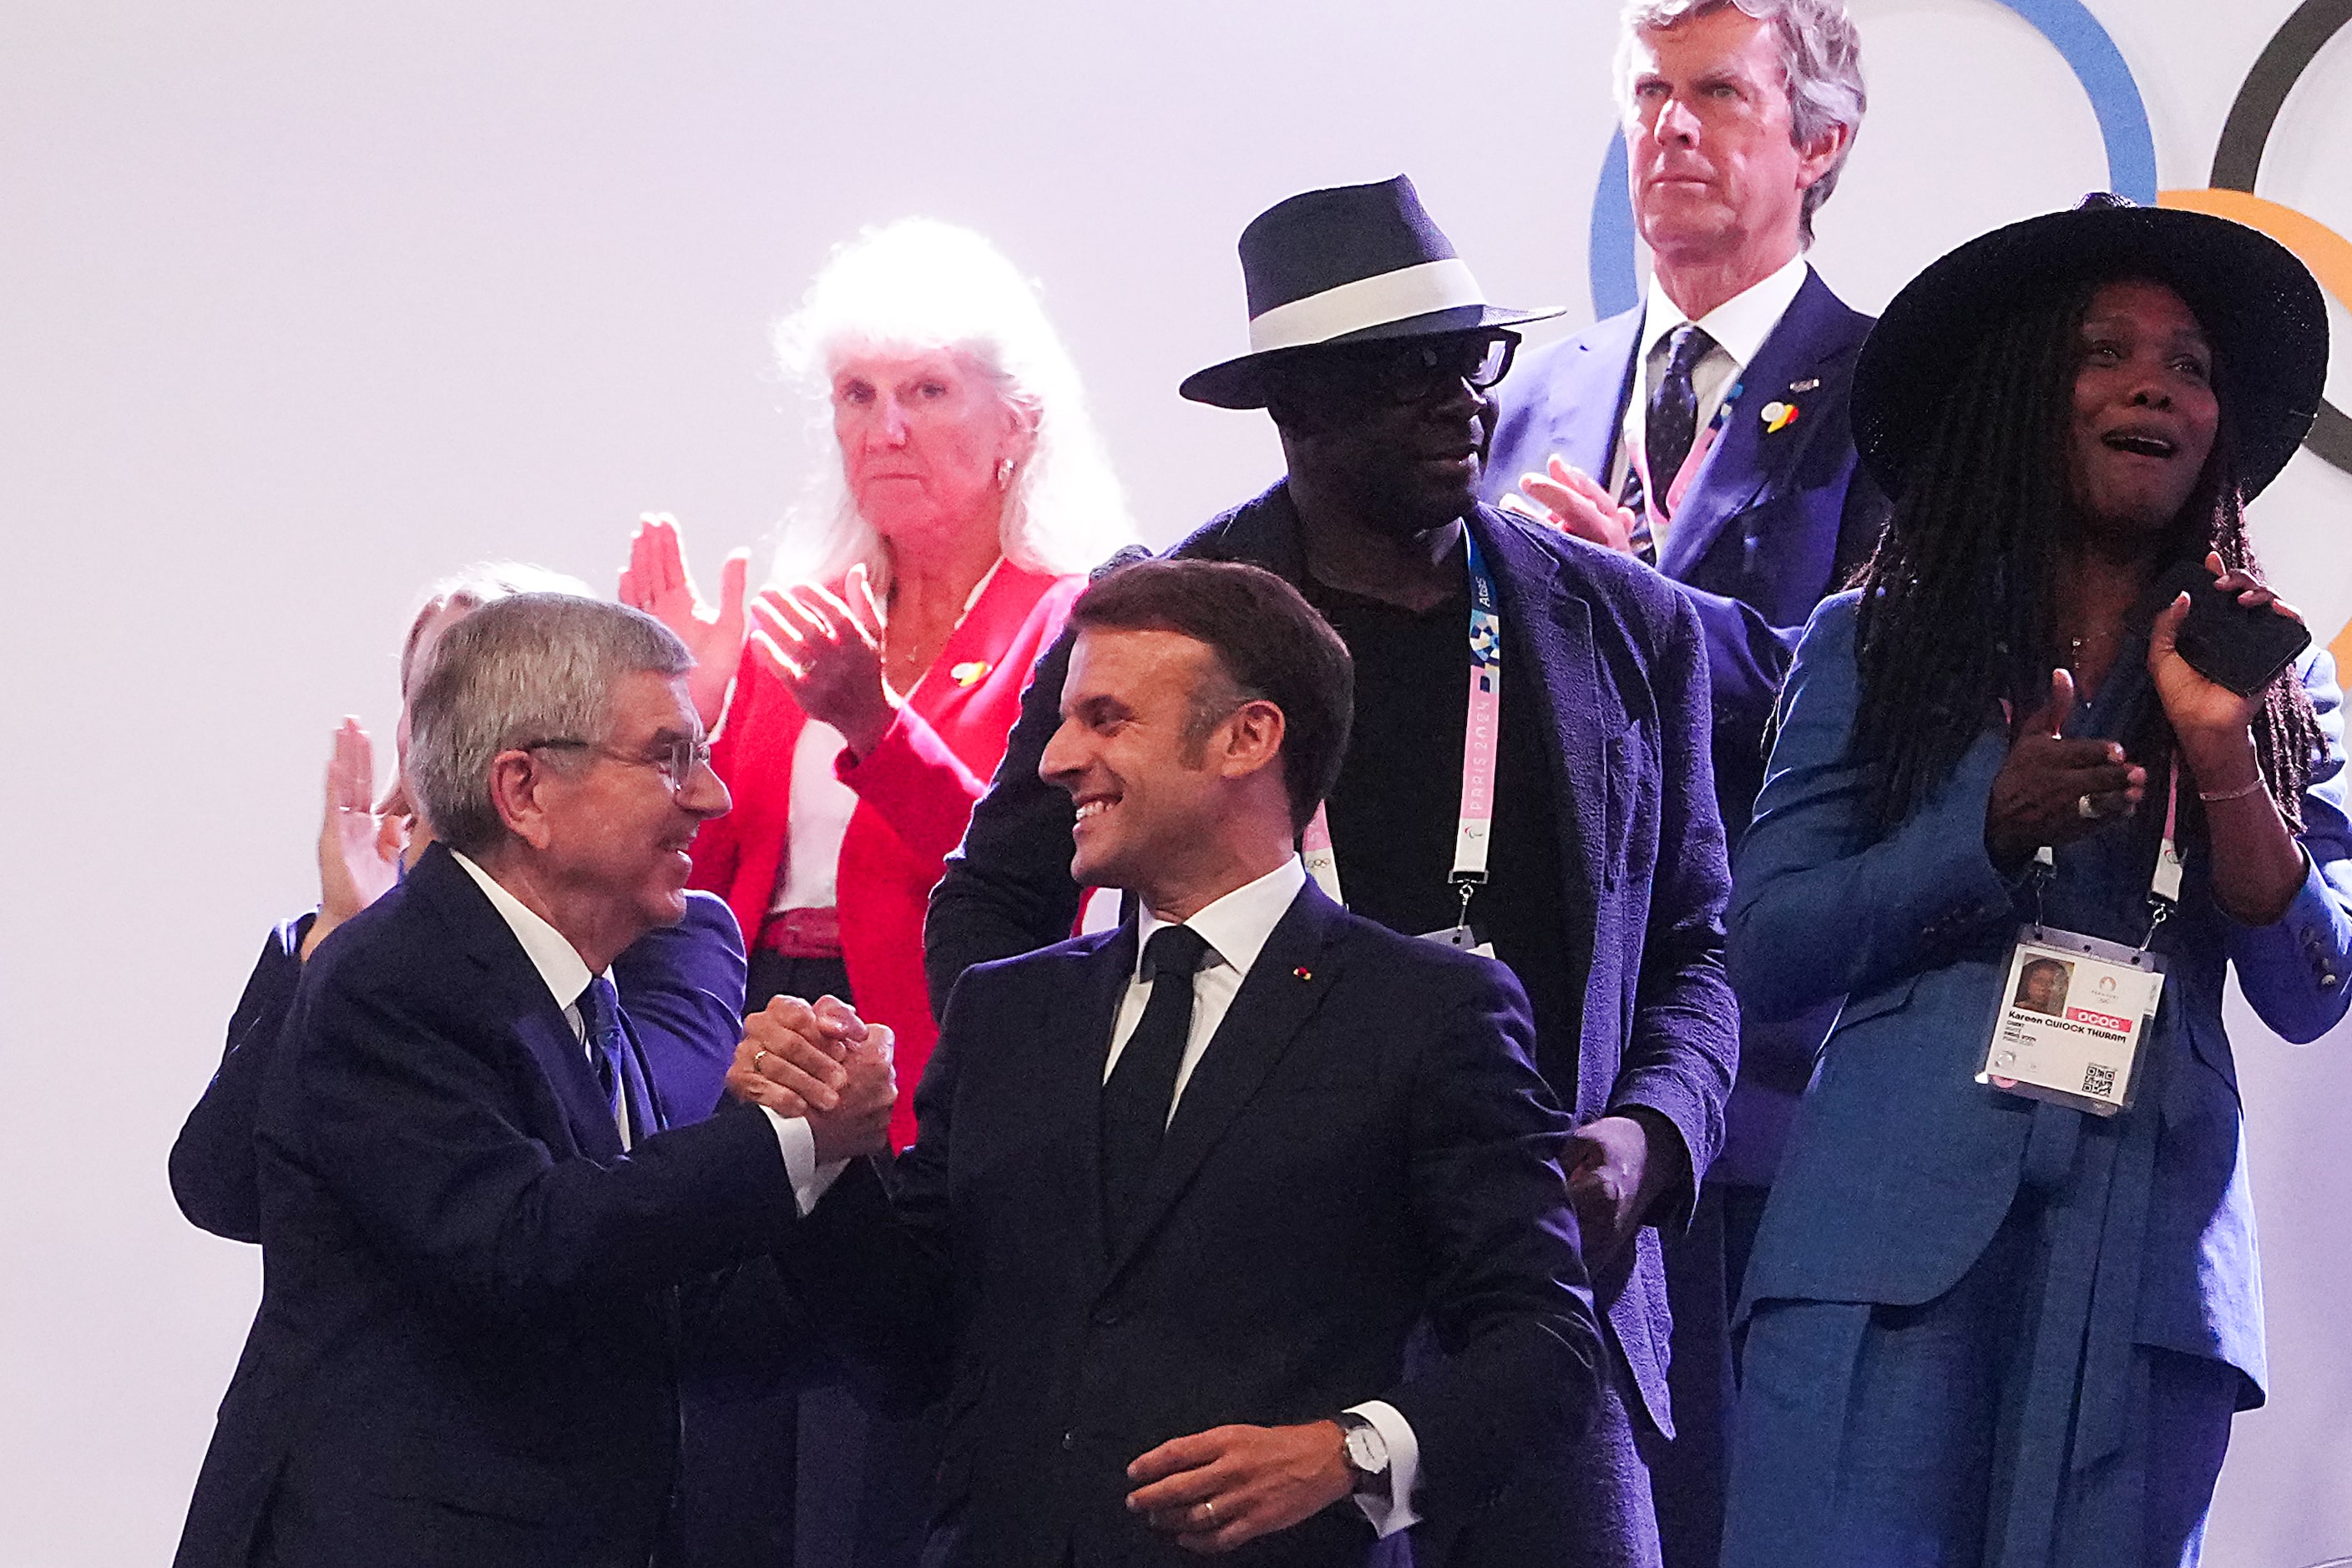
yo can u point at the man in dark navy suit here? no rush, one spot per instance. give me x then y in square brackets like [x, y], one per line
[1183, 1192]
[1570, 828]
[482, 1250]
[1704, 432]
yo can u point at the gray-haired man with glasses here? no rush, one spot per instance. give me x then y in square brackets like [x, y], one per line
[484, 1246]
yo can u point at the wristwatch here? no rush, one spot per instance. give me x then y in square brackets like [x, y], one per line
[1367, 1453]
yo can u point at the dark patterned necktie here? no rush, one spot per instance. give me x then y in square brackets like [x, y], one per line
[1141, 1087]
[616, 1065]
[1672, 422]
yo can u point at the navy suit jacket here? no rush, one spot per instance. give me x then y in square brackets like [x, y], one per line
[467, 1346]
[1774, 521]
[1618, 657]
[1363, 1147]
[682, 986]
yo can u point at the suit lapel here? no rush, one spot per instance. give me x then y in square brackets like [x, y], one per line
[1600, 376]
[1082, 1012]
[1748, 460]
[1280, 992]
[515, 984]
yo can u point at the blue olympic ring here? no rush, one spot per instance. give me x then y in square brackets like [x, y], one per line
[2068, 26]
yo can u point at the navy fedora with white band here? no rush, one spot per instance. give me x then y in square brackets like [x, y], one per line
[1353, 264]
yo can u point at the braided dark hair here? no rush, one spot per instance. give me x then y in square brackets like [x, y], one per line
[1960, 601]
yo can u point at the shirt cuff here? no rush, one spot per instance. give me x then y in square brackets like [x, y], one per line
[810, 1180]
[1393, 1512]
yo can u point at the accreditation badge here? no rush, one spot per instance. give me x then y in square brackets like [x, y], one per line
[2074, 1012]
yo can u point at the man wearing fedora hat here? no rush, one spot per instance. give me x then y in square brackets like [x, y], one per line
[1558, 816]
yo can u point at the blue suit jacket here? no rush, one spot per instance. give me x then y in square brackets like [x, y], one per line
[1772, 523]
[682, 986]
[1902, 1165]
[1618, 657]
[467, 1340]
[1363, 1147]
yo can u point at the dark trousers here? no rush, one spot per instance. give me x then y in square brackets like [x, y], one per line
[1705, 1267]
[860, 1489]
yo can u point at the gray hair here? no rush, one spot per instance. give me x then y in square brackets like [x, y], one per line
[1821, 60]
[921, 285]
[529, 668]
[484, 583]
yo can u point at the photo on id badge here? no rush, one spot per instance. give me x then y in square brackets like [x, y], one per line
[2071, 1028]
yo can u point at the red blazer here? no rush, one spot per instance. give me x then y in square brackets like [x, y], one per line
[915, 793]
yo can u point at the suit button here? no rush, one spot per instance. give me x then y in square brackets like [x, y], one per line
[1104, 1317]
[1069, 1441]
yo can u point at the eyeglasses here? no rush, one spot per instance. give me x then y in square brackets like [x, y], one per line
[674, 760]
[1418, 369]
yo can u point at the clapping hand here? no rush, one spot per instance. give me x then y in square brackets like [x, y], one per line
[658, 581]
[2052, 790]
[826, 647]
[359, 848]
[1567, 498]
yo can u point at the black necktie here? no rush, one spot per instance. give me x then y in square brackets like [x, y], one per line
[1141, 1087]
[1672, 422]
[616, 1063]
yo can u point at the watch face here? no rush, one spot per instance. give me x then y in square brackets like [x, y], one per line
[1366, 1451]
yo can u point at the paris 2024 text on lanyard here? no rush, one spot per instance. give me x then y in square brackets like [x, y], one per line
[1481, 741]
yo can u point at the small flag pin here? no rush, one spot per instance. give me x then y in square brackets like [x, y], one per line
[1778, 417]
[968, 674]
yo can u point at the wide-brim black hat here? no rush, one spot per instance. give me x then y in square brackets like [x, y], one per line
[2260, 307]
[1352, 263]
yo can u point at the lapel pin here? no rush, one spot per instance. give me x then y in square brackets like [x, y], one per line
[970, 673]
[1778, 417]
[1304, 973]
[1806, 386]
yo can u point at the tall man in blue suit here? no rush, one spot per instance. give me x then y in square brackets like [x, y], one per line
[1704, 432]
[482, 1250]
[1574, 833]
[1183, 1192]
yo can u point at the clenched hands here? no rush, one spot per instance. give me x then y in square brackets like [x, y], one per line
[822, 1063]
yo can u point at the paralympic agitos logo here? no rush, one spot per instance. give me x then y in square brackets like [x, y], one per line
[2069, 28]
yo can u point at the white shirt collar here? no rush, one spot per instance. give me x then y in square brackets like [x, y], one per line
[551, 953]
[1236, 925]
[1740, 325]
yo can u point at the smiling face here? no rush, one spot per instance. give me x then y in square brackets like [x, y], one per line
[2143, 411]
[923, 436]
[1714, 177]
[616, 833]
[1134, 764]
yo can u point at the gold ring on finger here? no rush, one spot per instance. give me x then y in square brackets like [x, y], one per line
[759, 1056]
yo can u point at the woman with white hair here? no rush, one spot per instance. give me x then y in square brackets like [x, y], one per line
[861, 701]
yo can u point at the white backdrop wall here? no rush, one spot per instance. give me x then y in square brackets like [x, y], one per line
[302, 305]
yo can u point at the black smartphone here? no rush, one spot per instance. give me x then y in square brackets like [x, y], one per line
[2225, 642]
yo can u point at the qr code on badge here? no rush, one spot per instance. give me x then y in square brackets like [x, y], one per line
[2098, 1080]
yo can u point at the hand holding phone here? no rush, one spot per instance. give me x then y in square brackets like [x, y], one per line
[2239, 646]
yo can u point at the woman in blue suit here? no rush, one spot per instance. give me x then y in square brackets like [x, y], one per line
[1987, 1329]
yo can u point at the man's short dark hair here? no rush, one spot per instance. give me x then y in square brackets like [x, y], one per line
[1270, 646]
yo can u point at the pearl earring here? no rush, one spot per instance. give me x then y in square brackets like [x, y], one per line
[1003, 473]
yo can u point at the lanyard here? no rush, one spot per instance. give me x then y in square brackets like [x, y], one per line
[2163, 885]
[1665, 503]
[1481, 745]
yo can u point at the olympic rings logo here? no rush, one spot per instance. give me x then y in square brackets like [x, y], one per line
[2077, 36]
